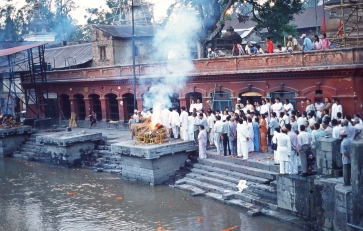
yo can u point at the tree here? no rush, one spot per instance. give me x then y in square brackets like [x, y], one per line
[274, 15]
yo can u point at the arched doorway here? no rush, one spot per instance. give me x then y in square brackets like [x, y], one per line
[284, 95]
[221, 100]
[113, 111]
[193, 96]
[128, 105]
[252, 97]
[175, 102]
[96, 105]
[81, 106]
[65, 107]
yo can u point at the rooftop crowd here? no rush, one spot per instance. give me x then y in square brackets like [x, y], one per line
[291, 134]
[292, 46]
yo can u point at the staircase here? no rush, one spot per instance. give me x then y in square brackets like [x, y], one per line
[107, 161]
[30, 150]
[217, 177]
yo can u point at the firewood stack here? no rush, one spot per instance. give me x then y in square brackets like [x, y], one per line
[149, 133]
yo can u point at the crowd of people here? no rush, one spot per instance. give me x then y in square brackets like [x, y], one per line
[248, 128]
[292, 45]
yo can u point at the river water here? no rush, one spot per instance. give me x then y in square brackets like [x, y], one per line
[37, 197]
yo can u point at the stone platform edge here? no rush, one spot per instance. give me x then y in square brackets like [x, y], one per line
[152, 151]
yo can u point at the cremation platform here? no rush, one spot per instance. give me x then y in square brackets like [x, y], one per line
[152, 163]
[12, 138]
[68, 146]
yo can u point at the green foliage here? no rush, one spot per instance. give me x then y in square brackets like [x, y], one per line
[275, 16]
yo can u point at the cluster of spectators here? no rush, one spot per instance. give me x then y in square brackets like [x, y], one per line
[292, 45]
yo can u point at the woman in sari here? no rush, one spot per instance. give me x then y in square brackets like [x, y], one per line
[263, 133]
[256, 140]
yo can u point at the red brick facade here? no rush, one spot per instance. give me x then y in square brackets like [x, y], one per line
[335, 74]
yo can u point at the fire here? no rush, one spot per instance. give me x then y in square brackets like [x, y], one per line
[150, 133]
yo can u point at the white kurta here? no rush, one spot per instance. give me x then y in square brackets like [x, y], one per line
[202, 140]
[242, 143]
[191, 122]
[175, 123]
[283, 151]
[335, 109]
[165, 118]
[288, 109]
[184, 125]
[210, 121]
[192, 106]
[251, 134]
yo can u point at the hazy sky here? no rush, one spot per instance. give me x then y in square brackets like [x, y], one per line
[159, 10]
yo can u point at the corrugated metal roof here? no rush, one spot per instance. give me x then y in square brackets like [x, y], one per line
[125, 31]
[304, 20]
[13, 50]
[63, 57]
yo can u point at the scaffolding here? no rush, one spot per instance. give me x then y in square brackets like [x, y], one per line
[143, 11]
[350, 27]
[25, 61]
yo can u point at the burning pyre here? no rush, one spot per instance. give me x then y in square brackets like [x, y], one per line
[149, 133]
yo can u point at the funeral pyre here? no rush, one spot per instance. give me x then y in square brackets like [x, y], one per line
[147, 132]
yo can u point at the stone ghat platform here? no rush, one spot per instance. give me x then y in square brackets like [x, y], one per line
[11, 138]
[67, 147]
[152, 164]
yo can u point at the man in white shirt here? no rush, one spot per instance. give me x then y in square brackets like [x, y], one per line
[149, 113]
[336, 129]
[358, 127]
[249, 106]
[191, 122]
[351, 131]
[283, 150]
[319, 106]
[217, 134]
[301, 119]
[184, 124]
[274, 123]
[288, 108]
[175, 123]
[304, 142]
[136, 116]
[336, 107]
[310, 108]
[210, 121]
[277, 106]
[327, 129]
[294, 125]
[238, 104]
[165, 118]
[242, 139]
[198, 105]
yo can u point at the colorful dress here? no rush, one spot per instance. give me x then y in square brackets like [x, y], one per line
[263, 136]
[256, 140]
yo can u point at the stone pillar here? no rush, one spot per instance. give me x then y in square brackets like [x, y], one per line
[121, 108]
[105, 108]
[328, 156]
[74, 105]
[356, 159]
[87, 105]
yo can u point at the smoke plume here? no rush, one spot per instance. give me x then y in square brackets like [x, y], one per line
[173, 42]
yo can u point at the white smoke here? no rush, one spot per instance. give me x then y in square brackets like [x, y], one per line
[175, 41]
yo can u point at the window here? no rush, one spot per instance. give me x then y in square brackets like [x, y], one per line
[136, 50]
[102, 53]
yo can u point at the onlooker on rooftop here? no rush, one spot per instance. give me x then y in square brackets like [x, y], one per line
[307, 44]
[218, 53]
[210, 54]
[259, 50]
[237, 49]
[280, 49]
[317, 43]
[325, 42]
[292, 44]
[270, 45]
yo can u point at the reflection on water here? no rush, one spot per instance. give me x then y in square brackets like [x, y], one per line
[38, 197]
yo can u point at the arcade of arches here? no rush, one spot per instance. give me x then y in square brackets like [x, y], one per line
[114, 108]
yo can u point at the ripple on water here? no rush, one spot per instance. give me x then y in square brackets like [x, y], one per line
[34, 197]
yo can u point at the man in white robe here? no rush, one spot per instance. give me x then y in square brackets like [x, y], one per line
[184, 124]
[251, 147]
[191, 122]
[210, 120]
[336, 107]
[283, 151]
[217, 134]
[202, 141]
[165, 118]
[136, 117]
[175, 123]
[242, 139]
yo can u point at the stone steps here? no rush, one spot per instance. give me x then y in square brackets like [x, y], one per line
[239, 168]
[250, 163]
[207, 170]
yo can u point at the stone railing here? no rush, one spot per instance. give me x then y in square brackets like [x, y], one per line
[311, 60]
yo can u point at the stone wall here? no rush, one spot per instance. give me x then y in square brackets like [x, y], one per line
[328, 157]
[153, 171]
[105, 40]
[11, 143]
[357, 182]
[123, 51]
